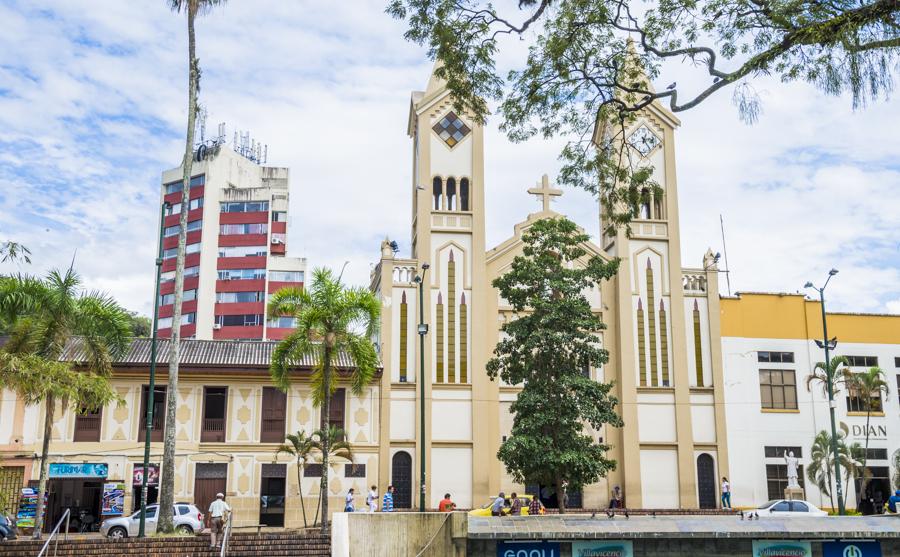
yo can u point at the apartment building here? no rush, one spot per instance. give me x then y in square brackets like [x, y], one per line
[236, 248]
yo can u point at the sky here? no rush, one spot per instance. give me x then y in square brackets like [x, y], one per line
[93, 109]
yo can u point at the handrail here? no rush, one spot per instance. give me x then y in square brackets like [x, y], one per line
[226, 535]
[55, 531]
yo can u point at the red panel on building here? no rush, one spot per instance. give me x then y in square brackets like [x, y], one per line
[255, 285]
[173, 198]
[255, 332]
[186, 331]
[278, 333]
[192, 238]
[250, 262]
[173, 219]
[190, 260]
[254, 217]
[240, 308]
[186, 307]
[189, 284]
[276, 286]
[226, 240]
[278, 249]
[279, 227]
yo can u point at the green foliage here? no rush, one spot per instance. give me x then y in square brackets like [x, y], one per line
[869, 386]
[141, 325]
[820, 470]
[832, 373]
[14, 252]
[588, 69]
[300, 446]
[546, 348]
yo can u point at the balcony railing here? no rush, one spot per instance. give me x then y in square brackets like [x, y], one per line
[272, 430]
[213, 430]
[156, 435]
[87, 427]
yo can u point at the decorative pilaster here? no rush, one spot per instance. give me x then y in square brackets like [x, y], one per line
[403, 337]
[698, 345]
[439, 340]
[642, 344]
[451, 320]
[664, 344]
[651, 316]
[463, 340]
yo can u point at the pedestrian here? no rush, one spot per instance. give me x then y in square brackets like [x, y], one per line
[218, 510]
[615, 502]
[497, 505]
[387, 502]
[726, 493]
[515, 505]
[372, 499]
[535, 507]
[348, 502]
[893, 500]
[878, 503]
[446, 505]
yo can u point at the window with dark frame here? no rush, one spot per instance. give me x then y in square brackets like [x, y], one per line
[871, 454]
[215, 402]
[336, 410]
[778, 389]
[87, 425]
[354, 470]
[778, 452]
[775, 357]
[274, 406]
[776, 479]
[159, 413]
[897, 361]
[312, 470]
[857, 402]
[862, 361]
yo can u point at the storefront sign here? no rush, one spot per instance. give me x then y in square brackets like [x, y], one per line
[529, 549]
[64, 470]
[113, 503]
[851, 549]
[28, 508]
[781, 549]
[137, 476]
[602, 549]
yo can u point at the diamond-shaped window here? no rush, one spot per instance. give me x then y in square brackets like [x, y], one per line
[451, 129]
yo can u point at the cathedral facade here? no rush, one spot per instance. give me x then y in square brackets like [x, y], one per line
[662, 332]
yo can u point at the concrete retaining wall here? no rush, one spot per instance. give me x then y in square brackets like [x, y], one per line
[677, 548]
[401, 534]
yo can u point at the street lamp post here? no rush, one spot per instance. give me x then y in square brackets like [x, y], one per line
[829, 345]
[152, 386]
[422, 330]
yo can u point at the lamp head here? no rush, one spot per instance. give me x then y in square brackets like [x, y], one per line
[425, 266]
[832, 272]
[808, 285]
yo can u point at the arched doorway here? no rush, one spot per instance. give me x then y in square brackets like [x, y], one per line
[401, 478]
[706, 481]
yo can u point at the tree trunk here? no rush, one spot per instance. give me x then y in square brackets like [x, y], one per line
[300, 489]
[560, 496]
[326, 409]
[45, 465]
[865, 460]
[318, 506]
[167, 489]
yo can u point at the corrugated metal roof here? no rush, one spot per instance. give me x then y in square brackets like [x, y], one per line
[205, 353]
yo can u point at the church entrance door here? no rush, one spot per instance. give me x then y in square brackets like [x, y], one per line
[401, 478]
[706, 481]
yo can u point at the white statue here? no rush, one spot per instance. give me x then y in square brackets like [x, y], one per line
[791, 462]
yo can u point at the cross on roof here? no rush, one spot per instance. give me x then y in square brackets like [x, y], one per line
[545, 191]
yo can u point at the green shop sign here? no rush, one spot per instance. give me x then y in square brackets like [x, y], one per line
[781, 548]
[612, 548]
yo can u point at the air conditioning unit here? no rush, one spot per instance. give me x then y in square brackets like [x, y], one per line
[216, 326]
[277, 241]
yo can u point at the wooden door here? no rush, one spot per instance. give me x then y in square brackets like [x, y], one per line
[209, 479]
[706, 481]
[274, 411]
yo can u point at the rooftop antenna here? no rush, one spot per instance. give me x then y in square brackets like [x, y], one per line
[725, 251]
[201, 124]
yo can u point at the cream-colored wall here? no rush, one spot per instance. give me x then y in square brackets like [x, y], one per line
[451, 472]
[659, 479]
[656, 420]
[705, 340]
[446, 161]
[451, 415]
[403, 415]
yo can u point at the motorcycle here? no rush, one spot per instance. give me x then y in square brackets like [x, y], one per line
[87, 522]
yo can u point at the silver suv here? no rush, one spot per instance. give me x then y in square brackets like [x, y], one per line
[188, 520]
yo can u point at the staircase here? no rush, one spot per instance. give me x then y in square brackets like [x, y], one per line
[240, 545]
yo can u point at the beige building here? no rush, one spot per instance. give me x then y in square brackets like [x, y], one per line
[663, 331]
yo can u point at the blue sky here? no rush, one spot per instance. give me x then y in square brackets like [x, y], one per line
[92, 108]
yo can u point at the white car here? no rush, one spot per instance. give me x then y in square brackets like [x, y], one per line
[188, 520]
[784, 507]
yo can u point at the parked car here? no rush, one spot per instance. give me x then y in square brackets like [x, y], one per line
[7, 528]
[188, 520]
[486, 510]
[784, 507]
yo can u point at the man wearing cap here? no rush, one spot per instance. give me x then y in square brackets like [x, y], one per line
[217, 511]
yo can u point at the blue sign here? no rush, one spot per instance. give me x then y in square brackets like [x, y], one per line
[64, 470]
[527, 549]
[851, 549]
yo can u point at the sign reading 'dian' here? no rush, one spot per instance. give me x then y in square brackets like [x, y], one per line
[781, 548]
[602, 549]
[527, 549]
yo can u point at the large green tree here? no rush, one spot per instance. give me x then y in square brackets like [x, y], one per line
[42, 316]
[192, 8]
[870, 388]
[590, 64]
[332, 319]
[553, 339]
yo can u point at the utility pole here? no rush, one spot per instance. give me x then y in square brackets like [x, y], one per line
[149, 424]
[422, 330]
[829, 345]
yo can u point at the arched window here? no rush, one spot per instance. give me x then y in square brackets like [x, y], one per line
[464, 194]
[658, 207]
[438, 191]
[644, 209]
[451, 194]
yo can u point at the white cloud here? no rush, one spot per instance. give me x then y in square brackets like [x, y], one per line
[92, 103]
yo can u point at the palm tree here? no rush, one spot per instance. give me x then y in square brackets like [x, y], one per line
[41, 316]
[869, 387]
[300, 446]
[331, 320]
[14, 252]
[331, 443]
[821, 374]
[821, 465]
[167, 489]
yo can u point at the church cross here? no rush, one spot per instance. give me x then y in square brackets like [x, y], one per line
[545, 191]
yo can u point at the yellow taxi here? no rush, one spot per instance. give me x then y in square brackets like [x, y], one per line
[486, 509]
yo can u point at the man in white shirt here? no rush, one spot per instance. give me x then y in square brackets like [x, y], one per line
[372, 499]
[218, 510]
